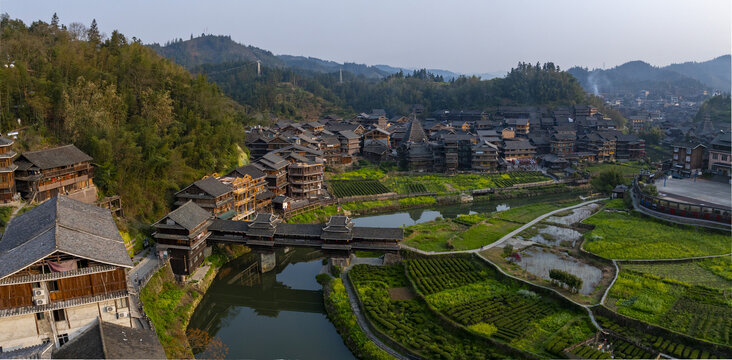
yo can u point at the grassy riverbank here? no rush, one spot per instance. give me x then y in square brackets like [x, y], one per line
[170, 304]
[341, 315]
[477, 230]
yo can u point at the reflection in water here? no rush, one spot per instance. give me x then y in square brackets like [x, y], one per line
[274, 315]
[418, 216]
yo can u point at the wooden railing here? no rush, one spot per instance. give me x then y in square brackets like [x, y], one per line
[21, 279]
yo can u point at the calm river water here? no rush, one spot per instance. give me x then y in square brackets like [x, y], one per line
[280, 314]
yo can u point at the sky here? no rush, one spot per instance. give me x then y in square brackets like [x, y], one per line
[465, 36]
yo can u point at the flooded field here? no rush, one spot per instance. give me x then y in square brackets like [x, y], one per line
[556, 236]
[539, 261]
[576, 216]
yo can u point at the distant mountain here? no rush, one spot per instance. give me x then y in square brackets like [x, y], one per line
[714, 73]
[218, 49]
[687, 79]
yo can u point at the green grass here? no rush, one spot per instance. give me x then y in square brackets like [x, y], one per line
[367, 254]
[433, 235]
[526, 213]
[635, 236]
[484, 234]
[616, 204]
[5, 212]
[627, 169]
[697, 311]
[694, 273]
[444, 184]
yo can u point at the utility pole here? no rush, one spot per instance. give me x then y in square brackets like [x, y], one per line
[340, 76]
[259, 68]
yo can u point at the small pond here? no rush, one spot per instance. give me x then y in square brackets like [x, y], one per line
[539, 261]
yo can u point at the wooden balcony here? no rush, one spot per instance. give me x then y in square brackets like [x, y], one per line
[55, 305]
[21, 279]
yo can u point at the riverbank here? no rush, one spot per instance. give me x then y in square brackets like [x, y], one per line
[170, 304]
[341, 314]
[375, 207]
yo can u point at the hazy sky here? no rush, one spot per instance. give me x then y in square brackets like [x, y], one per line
[459, 35]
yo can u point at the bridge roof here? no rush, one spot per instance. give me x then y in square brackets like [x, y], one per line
[374, 233]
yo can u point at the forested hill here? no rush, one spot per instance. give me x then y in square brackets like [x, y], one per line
[218, 49]
[687, 79]
[150, 125]
[284, 92]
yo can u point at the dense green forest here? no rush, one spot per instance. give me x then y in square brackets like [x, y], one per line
[150, 125]
[718, 109]
[299, 94]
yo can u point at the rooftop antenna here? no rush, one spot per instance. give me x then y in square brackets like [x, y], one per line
[259, 68]
[340, 75]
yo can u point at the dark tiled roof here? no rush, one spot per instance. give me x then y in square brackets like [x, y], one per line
[264, 224]
[518, 145]
[112, 341]
[273, 161]
[212, 186]
[348, 134]
[313, 230]
[188, 215]
[65, 225]
[229, 226]
[250, 170]
[415, 133]
[264, 195]
[378, 233]
[5, 141]
[56, 157]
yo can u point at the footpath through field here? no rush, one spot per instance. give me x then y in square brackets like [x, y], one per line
[505, 237]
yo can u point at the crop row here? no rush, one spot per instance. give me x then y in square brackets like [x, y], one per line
[625, 350]
[510, 314]
[346, 188]
[658, 343]
[587, 352]
[409, 322]
[435, 275]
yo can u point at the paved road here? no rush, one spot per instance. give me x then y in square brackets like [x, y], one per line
[145, 266]
[507, 236]
[362, 320]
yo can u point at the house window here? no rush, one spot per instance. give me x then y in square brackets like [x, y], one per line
[724, 157]
[53, 285]
[688, 158]
[714, 156]
[676, 156]
[59, 315]
[62, 339]
[40, 316]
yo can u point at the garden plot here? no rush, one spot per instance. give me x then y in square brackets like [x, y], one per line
[576, 216]
[539, 261]
[556, 236]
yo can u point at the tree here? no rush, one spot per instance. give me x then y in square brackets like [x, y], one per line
[507, 250]
[54, 21]
[93, 33]
[607, 180]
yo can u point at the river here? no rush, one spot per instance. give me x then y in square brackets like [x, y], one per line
[280, 314]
